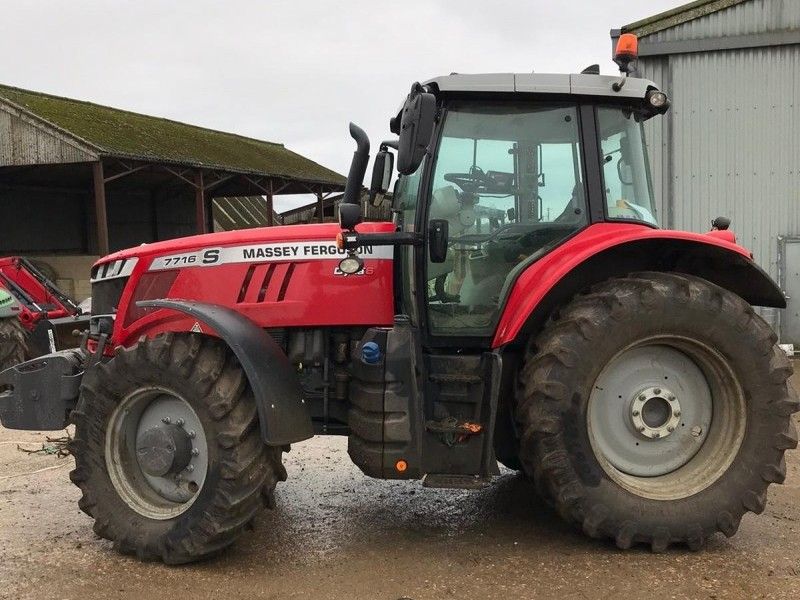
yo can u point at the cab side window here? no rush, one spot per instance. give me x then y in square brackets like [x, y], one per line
[508, 181]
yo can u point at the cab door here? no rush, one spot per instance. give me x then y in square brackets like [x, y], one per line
[507, 178]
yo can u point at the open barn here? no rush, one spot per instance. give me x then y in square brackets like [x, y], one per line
[79, 180]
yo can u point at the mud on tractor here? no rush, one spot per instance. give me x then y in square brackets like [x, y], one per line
[36, 317]
[524, 307]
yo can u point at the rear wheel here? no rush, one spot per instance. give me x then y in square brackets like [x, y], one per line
[656, 409]
[13, 342]
[168, 452]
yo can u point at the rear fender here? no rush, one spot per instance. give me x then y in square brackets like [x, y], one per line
[594, 256]
[282, 412]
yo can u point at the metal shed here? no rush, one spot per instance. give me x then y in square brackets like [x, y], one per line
[78, 179]
[729, 144]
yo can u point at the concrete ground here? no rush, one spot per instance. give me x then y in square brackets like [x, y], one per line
[338, 534]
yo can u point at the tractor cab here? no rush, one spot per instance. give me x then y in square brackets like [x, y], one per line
[496, 171]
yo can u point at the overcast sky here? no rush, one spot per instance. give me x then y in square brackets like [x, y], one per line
[293, 72]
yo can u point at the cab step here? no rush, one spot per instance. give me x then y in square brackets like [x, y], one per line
[456, 481]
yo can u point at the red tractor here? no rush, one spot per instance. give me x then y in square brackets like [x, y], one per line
[524, 307]
[36, 317]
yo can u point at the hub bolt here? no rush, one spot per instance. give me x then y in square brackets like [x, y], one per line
[642, 398]
[656, 434]
[180, 422]
[640, 429]
[677, 413]
[195, 452]
[636, 413]
[697, 430]
[670, 428]
[166, 420]
[190, 468]
[657, 391]
[192, 434]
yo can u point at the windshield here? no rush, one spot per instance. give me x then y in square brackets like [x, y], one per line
[508, 181]
[625, 168]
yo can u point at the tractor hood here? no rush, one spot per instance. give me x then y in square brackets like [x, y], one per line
[275, 276]
[259, 235]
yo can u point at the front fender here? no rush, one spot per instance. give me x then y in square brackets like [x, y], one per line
[282, 412]
[608, 250]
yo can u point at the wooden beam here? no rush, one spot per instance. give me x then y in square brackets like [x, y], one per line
[100, 212]
[200, 203]
[270, 206]
[125, 173]
[320, 208]
[218, 182]
[256, 184]
[179, 175]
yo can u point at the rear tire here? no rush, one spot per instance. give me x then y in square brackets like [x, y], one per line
[199, 379]
[13, 343]
[619, 478]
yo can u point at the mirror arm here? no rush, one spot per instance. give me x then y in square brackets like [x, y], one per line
[351, 240]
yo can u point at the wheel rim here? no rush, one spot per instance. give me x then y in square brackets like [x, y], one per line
[666, 417]
[156, 453]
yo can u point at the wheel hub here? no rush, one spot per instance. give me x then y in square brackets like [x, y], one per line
[163, 450]
[655, 412]
[156, 452]
[643, 409]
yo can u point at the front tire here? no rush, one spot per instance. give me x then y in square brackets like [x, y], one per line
[168, 452]
[656, 409]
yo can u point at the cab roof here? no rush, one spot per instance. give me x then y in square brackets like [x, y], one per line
[543, 83]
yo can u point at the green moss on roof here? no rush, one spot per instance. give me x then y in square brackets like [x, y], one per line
[678, 15]
[116, 132]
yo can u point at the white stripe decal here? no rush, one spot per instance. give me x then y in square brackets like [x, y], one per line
[115, 269]
[277, 252]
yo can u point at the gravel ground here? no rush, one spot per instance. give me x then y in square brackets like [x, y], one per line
[338, 534]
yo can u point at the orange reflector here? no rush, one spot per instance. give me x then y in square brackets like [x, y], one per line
[627, 46]
[340, 240]
[401, 466]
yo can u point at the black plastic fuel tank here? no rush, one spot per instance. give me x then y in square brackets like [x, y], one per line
[384, 392]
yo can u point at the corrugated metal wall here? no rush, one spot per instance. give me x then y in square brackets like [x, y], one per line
[729, 144]
[657, 137]
[735, 137]
[754, 16]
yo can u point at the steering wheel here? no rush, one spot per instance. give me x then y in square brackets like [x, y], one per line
[469, 182]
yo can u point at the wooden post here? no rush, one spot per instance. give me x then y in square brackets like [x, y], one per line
[270, 207]
[101, 215]
[200, 203]
[320, 207]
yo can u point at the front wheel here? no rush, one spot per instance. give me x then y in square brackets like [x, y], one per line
[656, 409]
[168, 453]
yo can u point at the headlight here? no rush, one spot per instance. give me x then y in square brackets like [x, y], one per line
[657, 99]
[351, 265]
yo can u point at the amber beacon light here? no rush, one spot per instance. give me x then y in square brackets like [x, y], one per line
[627, 52]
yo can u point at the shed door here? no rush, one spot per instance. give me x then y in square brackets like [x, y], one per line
[790, 323]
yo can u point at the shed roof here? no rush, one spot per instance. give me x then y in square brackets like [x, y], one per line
[678, 15]
[115, 132]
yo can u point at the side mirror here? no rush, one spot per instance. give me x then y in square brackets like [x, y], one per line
[381, 174]
[415, 129]
[438, 230]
